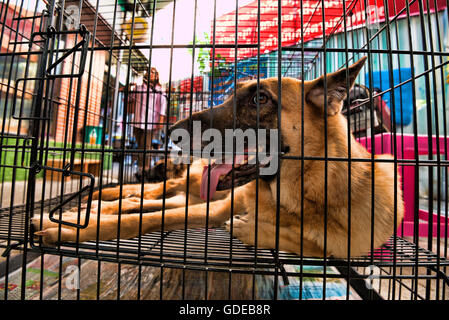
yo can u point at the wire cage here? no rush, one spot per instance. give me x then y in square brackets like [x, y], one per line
[90, 90]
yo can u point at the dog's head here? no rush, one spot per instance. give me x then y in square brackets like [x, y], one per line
[256, 106]
[161, 171]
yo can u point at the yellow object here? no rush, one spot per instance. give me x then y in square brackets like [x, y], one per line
[140, 29]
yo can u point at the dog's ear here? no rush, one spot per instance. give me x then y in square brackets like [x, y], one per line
[160, 167]
[336, 87]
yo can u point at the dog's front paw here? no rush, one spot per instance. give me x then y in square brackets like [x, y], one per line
[42, 222]
[52, 232]
[83, 207]
[242, 228]
[49, 237]
[46, 230]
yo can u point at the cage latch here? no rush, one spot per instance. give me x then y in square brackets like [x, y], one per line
[49, 73]
[89, 187]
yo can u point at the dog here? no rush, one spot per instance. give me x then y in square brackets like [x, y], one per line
[162, 171]
[357, 106]
[172, 192]
[317, 224]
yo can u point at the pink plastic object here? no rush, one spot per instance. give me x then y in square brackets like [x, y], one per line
[406, 150]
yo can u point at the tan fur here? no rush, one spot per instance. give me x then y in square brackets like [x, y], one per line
[316, 212]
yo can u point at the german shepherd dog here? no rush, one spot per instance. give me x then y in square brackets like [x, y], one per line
[311, 238]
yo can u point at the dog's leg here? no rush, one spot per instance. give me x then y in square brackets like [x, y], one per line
[170, 203]
[172, 219]
[171, 188]
[150, 191]
[109, 194]
[244, 228]
[133, 205]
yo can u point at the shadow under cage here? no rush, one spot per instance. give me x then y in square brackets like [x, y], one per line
[137, 139]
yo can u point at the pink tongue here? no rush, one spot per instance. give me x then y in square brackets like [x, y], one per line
[215, 173]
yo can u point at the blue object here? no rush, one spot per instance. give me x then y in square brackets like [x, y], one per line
[155, 141]
[403, 98]
[312, 288]
[223, 84]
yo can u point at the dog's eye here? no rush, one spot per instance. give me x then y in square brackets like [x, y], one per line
[263, 98]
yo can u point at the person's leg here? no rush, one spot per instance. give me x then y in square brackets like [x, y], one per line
[136, 135]
[139, 135]
[148, 147]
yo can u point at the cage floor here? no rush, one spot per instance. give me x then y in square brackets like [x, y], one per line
[212, 249]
